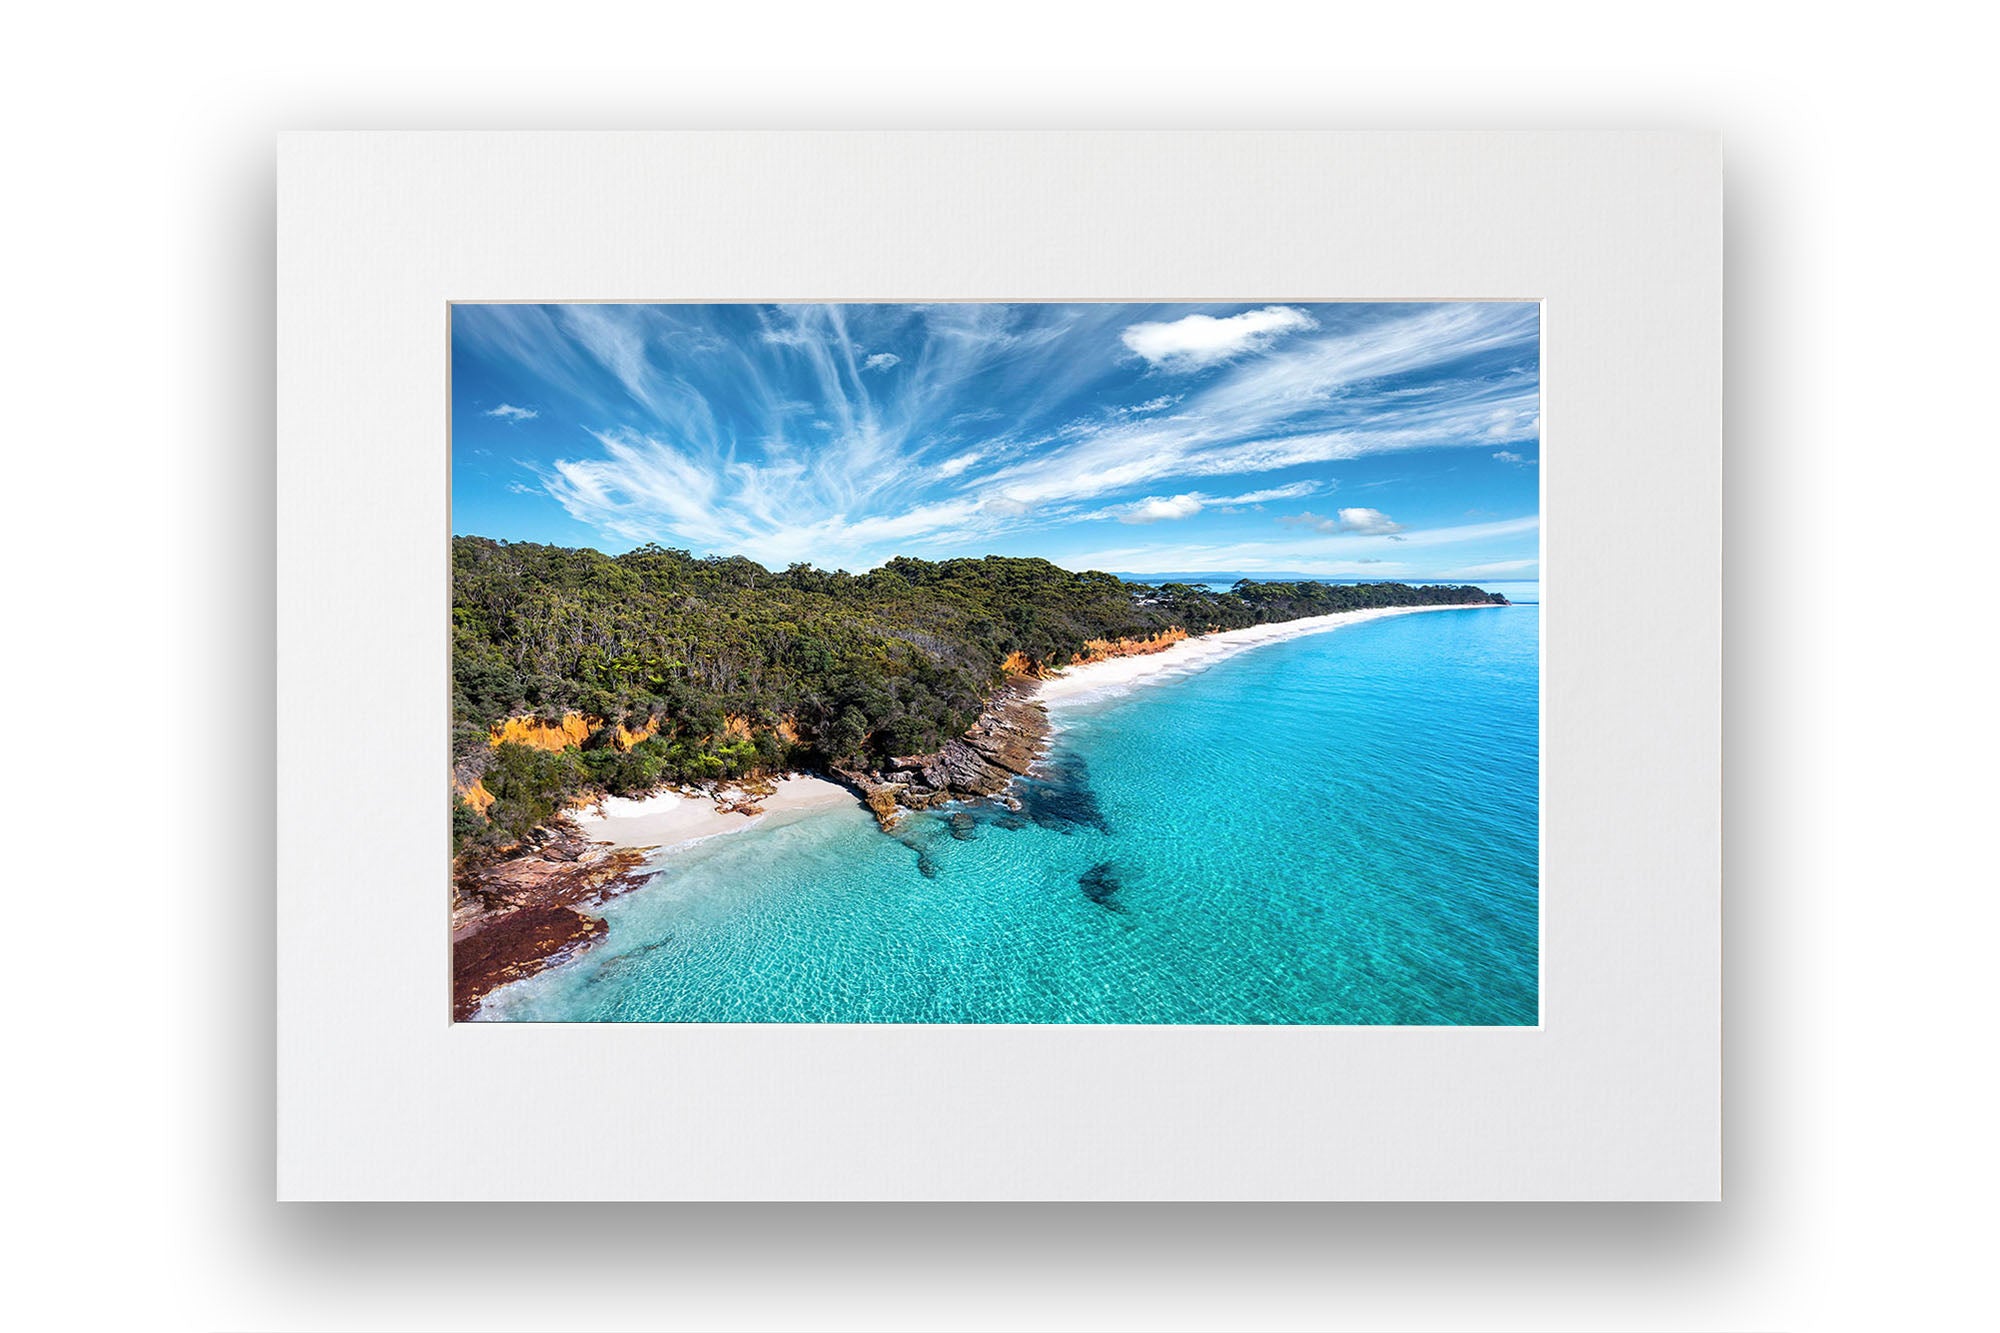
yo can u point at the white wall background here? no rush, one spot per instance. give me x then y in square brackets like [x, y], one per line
[1860, 721]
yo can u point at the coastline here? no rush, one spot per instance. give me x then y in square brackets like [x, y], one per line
[530, 911]
[1094, 680]
[1167, 840]
[671, 819]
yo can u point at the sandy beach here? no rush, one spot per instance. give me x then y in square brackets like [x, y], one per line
[1096, 679]
[670, 819]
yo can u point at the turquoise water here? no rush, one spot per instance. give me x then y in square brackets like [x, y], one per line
[1336, 828]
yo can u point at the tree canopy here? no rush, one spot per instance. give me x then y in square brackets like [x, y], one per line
[738, 669]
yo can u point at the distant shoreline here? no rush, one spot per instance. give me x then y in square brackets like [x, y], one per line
[1093, 679]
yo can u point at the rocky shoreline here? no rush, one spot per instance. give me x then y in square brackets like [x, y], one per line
[525, 912]
[1002, 745]
[522, 914]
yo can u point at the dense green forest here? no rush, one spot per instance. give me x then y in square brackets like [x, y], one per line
[741, 670]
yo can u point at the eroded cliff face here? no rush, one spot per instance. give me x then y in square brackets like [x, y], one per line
[1094, 650]
[573, 729]
[1103, 650]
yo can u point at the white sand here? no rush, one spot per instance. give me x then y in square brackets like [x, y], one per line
[672, 819]
[1095, 680]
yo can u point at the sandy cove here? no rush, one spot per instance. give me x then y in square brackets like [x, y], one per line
[532, 909]
[673, 819]
[1095, 679]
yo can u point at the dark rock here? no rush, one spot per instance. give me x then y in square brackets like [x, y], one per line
[515, 945]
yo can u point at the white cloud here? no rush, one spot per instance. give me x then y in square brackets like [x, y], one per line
[1304, 404]
[645, 488]
[881, 361]
[1509, 456]
[1370, 521]
[1159, 508]
[618, 344]
[509, 412]
[1367, 522]
[1155, 508]
[1514, 423]
[809, 456]
[1194, 341]
[1294, 491]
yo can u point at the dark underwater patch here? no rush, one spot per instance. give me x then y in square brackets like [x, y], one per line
[1100, 884]
[1059, 796]
[618, 963]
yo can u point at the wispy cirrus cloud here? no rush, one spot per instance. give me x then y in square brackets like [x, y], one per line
[509, 412]
[773, 431]
[1159, 508]
[643, 488]
[1307, 405]
[1297, 490]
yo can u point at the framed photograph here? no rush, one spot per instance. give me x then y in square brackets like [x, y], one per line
[946, 609]
[1000, 666]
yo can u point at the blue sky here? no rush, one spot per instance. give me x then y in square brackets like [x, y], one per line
[1361, 440]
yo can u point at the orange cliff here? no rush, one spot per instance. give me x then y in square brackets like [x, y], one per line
[1103, 650]
[573, 729]
[476, 795]
[1018, 663]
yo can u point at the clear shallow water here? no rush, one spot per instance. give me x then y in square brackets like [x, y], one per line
[1337, 828]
